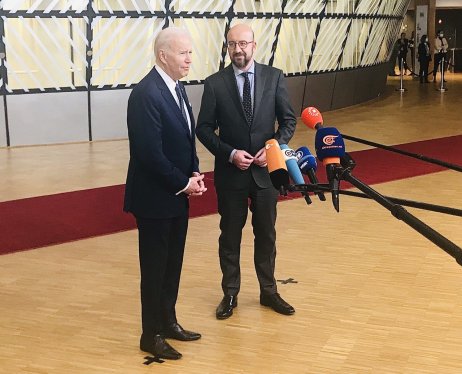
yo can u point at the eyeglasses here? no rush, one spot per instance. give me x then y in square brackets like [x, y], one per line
[241, 43]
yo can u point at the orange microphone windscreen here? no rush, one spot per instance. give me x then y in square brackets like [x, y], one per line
[312, 117]
[274, 157]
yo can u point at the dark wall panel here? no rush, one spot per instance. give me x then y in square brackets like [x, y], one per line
[345, 83]
[370, 83]
[331, 91]
[326, 91]
[318, 91]
[296, 86]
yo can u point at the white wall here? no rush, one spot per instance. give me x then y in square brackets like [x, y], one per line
[47, 118]
[448, 3]
[109, 114]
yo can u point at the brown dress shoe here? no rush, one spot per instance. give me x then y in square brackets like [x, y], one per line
[158, 347]
[277, 303]
[226, 306]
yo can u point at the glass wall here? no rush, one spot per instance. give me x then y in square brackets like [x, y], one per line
[84, 44]
[92, 45]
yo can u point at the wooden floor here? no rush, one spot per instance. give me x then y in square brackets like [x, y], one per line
[372, 295]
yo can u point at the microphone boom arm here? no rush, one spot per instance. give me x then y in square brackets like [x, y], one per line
[396, 210]
[411, 203]
[315, 188]
[405, 153]
[402, 214]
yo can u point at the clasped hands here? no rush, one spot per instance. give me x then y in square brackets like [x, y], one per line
[196, 185]
[243, 160]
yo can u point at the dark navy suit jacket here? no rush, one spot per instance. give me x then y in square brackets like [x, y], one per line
[162, 151]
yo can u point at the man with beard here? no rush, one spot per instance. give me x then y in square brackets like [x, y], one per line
[243, 102]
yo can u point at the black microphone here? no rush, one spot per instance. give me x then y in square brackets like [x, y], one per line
[307, 164]
[330, 148]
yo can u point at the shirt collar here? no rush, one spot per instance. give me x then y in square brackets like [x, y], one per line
[171, 84]
[238, 71]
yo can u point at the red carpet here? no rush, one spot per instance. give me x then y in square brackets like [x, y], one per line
[46, 220]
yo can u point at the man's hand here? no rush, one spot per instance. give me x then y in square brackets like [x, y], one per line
[242, 159]
[196, 185]
[260, 158]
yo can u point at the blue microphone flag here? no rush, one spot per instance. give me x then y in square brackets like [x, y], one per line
[329, 143]
[305, 159]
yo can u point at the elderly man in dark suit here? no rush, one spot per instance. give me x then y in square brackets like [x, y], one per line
[243, 102]
[163, 172]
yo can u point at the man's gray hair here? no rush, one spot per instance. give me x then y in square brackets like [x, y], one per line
[164, 38]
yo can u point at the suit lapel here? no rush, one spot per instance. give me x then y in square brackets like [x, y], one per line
[171, 101]
[230, 82]
[259, 83]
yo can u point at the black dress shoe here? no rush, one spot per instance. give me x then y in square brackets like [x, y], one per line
[226, 306]
[276, 302]
[175, 331]
[159, 348]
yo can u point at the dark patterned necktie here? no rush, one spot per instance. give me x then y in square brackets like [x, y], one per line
[247, 98]
[180, 101]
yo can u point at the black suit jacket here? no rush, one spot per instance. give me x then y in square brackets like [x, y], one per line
[422, 52]
[162, 151]
[221, 111]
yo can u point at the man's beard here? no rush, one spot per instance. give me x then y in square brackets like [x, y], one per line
[240, 63]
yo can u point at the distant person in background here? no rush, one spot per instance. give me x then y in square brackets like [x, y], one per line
[394, 55]
[403, 45]
[425, 57]
[441, 49]
[412, 43]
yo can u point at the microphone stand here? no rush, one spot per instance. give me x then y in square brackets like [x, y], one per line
[405, 153]
[395, 209]
[411, 203]
[315, 188]
[334, 177]
[401, 72]
[312, 177]
[307, 198]
[402, 214]
[442, 87]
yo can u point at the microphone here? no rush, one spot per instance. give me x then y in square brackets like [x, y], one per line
[293, 169]
[330, 148]
[329, 144]
[312, 118]
[308, 166]
[276, 165]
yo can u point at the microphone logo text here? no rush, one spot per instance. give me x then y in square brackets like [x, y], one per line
[313, 111]
[329, 139]
[290, 153]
